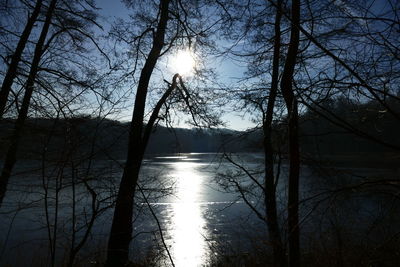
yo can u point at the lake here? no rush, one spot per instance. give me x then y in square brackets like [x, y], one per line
[200, 216]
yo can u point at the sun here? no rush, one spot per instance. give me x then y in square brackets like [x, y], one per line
[183, 63]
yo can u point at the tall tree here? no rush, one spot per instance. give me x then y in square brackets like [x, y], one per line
[16, 57]
[184, 28]
[293, 124]
[269, 153]
[121, 229]
[23, 113]
[261, 93]
[51, 74]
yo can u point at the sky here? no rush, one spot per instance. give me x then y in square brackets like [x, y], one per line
[228, 71]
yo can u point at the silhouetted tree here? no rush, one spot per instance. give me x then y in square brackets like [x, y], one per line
[12, 151]
[163, 38]
[64, 26]
[261, 95]
[16, 57]
[293, 136]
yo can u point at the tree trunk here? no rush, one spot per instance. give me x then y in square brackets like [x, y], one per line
[294, 155]
[121, 229]
[269, 183]
[12, 69]
[23, 113]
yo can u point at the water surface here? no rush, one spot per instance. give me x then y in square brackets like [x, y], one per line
[199, 219]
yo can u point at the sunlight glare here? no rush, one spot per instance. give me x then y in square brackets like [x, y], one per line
[189, 246]
[183, 63]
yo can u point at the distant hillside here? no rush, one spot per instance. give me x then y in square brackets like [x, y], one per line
[109, 138]
[371, 137]
[319, 137]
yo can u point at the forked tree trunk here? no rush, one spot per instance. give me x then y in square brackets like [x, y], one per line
[23, 113]
[121, 229]
[16, 58]
[294, 155]
[269, 183]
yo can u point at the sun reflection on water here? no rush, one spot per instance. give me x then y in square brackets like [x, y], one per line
[189, 247]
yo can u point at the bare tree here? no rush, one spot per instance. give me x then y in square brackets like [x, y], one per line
[293, 124]
[163, 38]
[16, 57]
[11, 154]
[264, 100]
[269, 154]
[65, 26]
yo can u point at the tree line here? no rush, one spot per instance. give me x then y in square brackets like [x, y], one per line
[322, 78]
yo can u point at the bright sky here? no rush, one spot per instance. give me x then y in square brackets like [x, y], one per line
[227, 70]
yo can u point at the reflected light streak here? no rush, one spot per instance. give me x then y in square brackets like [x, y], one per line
[189, 247]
